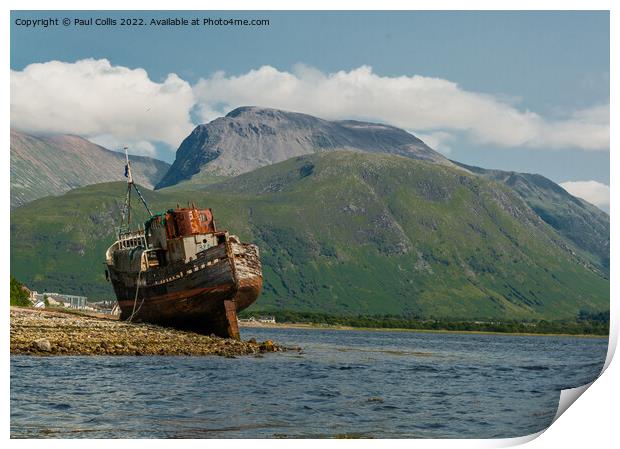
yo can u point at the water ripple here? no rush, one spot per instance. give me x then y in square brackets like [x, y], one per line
[353, 384]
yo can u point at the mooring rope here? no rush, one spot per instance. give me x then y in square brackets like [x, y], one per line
[135, 299]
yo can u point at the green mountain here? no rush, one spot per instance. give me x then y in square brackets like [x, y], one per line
[344, 233]
[251, 137]
[52, 165]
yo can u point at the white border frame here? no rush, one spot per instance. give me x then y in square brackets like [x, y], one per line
[590, 422]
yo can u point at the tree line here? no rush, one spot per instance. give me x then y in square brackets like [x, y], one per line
[585, 323]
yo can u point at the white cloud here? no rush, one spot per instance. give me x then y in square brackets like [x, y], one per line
[424, 104]
[94, 99]
[118, 105]
[438, 140]
[111, 142]
[592, 191]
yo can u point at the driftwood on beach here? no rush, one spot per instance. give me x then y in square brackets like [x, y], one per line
[47, 332]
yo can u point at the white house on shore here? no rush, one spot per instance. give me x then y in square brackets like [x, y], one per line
[260, 319]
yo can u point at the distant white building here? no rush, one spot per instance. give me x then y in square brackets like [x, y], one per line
[260, 319]
[71, 301]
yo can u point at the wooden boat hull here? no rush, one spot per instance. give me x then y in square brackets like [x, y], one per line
[203, 295]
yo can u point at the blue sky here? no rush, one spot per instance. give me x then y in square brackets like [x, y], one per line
[551, 64]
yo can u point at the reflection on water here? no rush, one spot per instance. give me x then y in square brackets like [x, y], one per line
[342, 384]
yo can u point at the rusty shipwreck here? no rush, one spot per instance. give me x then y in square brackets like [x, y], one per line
[179, 270]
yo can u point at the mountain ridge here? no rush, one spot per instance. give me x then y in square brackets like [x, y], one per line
[362, 218]
[345, 233]
[52, 165]
[582, 223]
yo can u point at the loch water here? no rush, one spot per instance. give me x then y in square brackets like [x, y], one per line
[369, 384]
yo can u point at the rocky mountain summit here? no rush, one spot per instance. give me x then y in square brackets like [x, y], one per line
[251, 137]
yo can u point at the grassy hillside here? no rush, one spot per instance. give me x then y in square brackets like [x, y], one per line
[585, 225]
[344, 233]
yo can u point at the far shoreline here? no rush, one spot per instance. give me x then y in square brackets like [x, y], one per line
[317, 326]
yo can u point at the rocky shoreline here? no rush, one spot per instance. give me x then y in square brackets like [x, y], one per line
[53, 332]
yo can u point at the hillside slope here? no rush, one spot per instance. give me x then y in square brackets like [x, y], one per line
[42, 166]
[584, 224]
[252, 137]
[344, 233]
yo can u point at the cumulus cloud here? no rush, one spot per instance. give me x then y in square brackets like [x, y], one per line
[424, 104]
[95, 99]
[438, 140]
[117, 105]
[592, 191]
[140, 147]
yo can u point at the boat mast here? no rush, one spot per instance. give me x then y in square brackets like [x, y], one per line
[131, 184]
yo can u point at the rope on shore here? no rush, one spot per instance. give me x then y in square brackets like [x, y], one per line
[135, 299]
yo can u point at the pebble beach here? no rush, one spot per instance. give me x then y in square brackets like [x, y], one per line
[53, 332]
